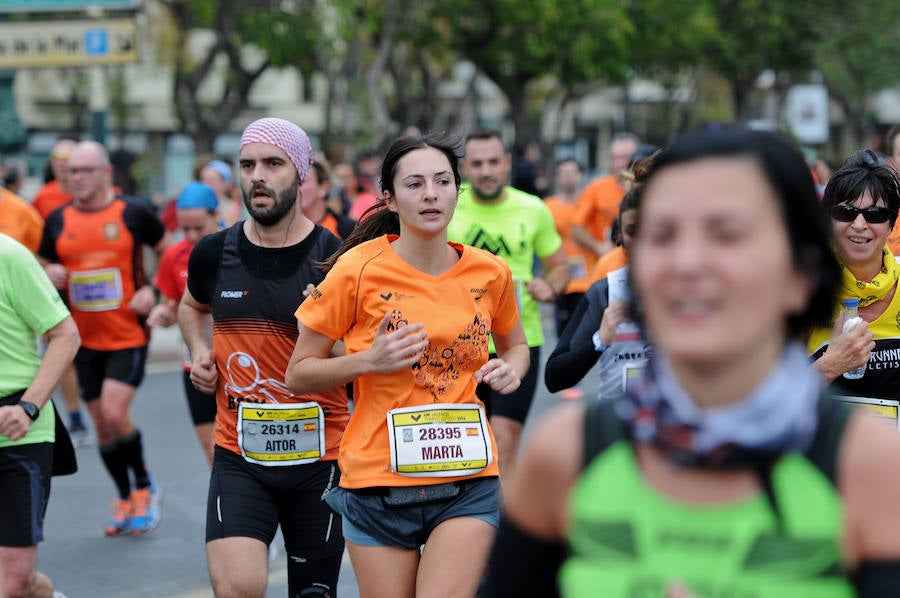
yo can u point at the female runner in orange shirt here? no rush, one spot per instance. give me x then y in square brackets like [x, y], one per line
[418, 459]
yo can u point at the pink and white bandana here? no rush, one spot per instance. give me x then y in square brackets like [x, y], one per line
[284, 135]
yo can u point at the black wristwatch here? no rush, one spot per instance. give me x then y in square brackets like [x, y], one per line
[31, 409]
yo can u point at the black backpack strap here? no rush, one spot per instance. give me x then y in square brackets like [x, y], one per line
[602, 428]
[833, 417]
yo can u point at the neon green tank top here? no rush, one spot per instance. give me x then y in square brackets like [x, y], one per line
[627, 539]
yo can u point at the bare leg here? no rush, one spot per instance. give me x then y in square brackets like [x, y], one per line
[507, 432]
[238, 567]
[69, 388]
[384, 571]
[20, 576]
[442, 553]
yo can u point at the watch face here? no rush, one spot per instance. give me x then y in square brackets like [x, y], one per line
[31, 409]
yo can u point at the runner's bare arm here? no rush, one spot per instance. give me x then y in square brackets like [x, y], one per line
[63, 341]
[163, 244]
[585, 240]
[556, 277]
[57, 273]
[504, 373]
[195, 321]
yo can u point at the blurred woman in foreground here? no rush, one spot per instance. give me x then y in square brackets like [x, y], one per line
[725, 471]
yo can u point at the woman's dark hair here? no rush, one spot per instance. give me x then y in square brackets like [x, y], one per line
[640, 170]
[862, 171]
[787, 173]
[378, 220]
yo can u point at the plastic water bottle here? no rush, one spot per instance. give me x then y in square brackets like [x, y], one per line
[851, 309]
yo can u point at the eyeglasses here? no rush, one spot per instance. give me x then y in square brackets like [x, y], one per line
[872, 214]
[84, 170]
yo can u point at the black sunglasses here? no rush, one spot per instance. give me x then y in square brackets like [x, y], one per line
[847, 213]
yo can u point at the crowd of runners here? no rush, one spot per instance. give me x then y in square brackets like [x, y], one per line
[363, 343]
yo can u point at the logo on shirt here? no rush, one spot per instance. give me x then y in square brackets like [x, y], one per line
[233, 294]
[478, 293]
[388, 295]
[111, 231]
[496, 245]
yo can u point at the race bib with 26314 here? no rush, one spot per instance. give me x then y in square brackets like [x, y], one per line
[284, 434]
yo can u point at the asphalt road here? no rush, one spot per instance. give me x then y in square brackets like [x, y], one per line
[170, 562]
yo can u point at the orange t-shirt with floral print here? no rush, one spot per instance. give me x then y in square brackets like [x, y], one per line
[459, 308]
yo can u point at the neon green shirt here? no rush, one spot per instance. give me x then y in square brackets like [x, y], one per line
[29, 306]
[627, 539]
[517, 229]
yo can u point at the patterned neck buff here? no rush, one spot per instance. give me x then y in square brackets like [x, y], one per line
[779, 415]
[878, 288]
[286, 136]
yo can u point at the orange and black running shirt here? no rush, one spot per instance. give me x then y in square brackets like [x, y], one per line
[460, 309]
[102, 250]
[253, 292]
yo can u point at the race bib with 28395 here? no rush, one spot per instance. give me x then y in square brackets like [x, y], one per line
[439, 440]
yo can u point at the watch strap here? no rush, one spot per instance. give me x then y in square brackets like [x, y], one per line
[31, 410]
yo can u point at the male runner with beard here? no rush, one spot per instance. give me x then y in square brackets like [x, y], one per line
[276, 452]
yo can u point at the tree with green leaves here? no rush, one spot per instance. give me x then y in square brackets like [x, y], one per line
[754, 35]
[858, 55]
[246, 39]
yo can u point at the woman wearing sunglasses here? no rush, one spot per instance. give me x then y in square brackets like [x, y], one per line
[863, 198]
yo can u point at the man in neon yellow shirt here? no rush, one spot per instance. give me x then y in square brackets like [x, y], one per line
[518, 227]
[29, 306]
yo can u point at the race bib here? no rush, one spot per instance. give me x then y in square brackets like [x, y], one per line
[96, 290]
[631, 372]
[577, 266]
[521, 289]
[287, 434]
[440, 440]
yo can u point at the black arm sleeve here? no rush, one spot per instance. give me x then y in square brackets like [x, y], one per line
[574, 355]
[144, 224]
[203, 266]
[52, 230]
[522, 565]
[875, 579]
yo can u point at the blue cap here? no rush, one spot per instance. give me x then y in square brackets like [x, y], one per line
[223, 169]
[197, 195]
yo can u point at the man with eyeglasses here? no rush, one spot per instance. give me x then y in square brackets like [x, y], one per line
[91, 248]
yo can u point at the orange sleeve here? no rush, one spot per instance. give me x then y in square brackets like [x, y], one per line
[585, 206]
[331, 308]
[34, 229]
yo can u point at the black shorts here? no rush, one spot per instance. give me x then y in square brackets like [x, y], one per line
[515, 405]
[250, 500]
[25, 481]
[202, 405]
[123, 365]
